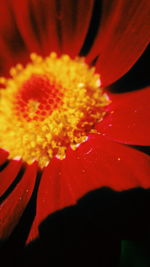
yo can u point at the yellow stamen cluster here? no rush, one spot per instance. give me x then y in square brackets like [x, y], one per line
[48, 105]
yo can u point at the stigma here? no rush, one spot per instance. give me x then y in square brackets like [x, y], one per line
[50, 104]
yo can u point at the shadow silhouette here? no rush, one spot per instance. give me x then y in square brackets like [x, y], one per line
[86, 234]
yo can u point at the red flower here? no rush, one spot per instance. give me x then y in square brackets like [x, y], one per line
[120, 37]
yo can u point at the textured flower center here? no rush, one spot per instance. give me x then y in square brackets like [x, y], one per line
[48, 105]
[37, 98]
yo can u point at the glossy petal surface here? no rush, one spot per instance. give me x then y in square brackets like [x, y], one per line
[99, 162]
[128, 118]
[96, 163]
[53, 194]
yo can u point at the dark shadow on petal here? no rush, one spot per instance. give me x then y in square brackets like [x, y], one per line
[138, 76]
[93, 63]
[14, 40]
[16, 242]
[4, 165]
[86, 234]
[144, 149]
[22, 230]
[93, 29]
[89, 233]
[13, 185]
[33, 21]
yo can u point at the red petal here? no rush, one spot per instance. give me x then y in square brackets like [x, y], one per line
[99, 162]
[8, 175]
[37, 22]
[74, 18]
[128, 118]
[12, 46]
[25, 18]
[14, 205]
[53, 195]
[122, 37]
[53, 25]
[94, 164]
[3, 156]
[46, 195]
[5, 27]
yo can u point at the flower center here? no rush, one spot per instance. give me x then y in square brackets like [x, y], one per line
[48, 105]
[37, 98]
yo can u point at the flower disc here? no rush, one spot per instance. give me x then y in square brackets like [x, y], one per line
[48, 105]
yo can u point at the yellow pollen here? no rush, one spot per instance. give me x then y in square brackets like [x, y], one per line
[32, 107]
[50, 104]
